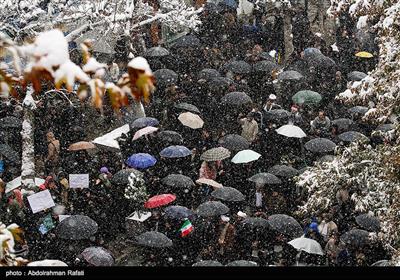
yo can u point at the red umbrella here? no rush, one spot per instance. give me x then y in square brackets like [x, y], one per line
[159, 200]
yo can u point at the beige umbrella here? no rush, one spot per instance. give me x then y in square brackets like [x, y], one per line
[144, 131]
[82, 145]
[209, 182]
[191, 120]
[215, 154]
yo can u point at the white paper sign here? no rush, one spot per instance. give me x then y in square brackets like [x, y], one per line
[78, 181]
[40, 201]
[63, 217]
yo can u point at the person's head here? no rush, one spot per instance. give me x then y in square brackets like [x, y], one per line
[294, 108]
[335, 129]
[321, 115]
[271, 98]
[50, 136]
[338, 75]
[250, 117]
[104, 170]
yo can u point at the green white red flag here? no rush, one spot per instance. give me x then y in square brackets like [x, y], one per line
[186, 228]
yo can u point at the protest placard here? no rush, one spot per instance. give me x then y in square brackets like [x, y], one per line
[40, 201]
[78, 181]
[62, 217]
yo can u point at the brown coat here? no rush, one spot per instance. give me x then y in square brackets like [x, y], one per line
[53, 150]
[226, 239]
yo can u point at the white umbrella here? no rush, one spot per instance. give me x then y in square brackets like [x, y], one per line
[144, 131]
[289, 130]
[308, 245]
[245, 156]
[191, 120]
[47, 263]
[17, 183]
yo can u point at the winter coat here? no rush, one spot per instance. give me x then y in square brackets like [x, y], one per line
[249, 129]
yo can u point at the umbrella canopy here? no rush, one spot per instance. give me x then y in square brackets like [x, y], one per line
[358, 110]
[121, 177]
[236, 98]
[209, 182]
[266, 56]
[82, 145]
[208, 74]
[285, 225]
[144, 131]
[307, 245]
[234, 142]
[292, 131]
[237, 67]
[277, 115]
[283, 171]
[242, 263]
[47, 263]
[208, 263]
[145, 121]
[385, 127]
[10, 122]
[179, 213]
[191, 120]
[187, 107]
[352, 136]
[9, 153]
[356, 76]
[265, 66]
[178, 181]
[343, 123]
[188, 41]
[355, 237]
[245, 156]
[98, 256]
[76, 227]
[321, 62]
[228, 194]
[310, 53]
[165, 77]
[320, 145]
[212, 209]
[290, 76]
[215, 154]
[255, 223]
[307, 97]
[141, 161]
[219, 84]
[175, 152]
[156, 52]
[378, 263]
[153, 239]
[265, 178]
[364, 55]
[170, 136]
[159, 200]
[368, 222]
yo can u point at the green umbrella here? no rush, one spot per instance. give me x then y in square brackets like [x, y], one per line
[308, 97]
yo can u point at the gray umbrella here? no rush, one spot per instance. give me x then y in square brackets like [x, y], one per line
[187, 107]
[242, 263]
[265, 66]
[208, 74]
[234, 142]
[352, 136]
[236, 98]
[385, 127]
[143, 122]
[98, 256]
[153, 239]
[208, 263]
[321, 62]
[212, 209]
[285, 225]
[355, 237]
[175, 152]
[283, 171]
[356, 76]
[215, 154]
[290, 76]
[9, 153]
[265, 178]
[228, 194]
[368, 222]
[256, 223]
[188, 41]
[382, 263]
[76, 227]
[178, 181]
[170, 136]
[237, 67]
[165, 77]
[343, 123]
[277, 115]
[121, 177]
[156, 52]
[320, 145]
[219, 84]
[10, 122]
[358, 110]
[266, 56]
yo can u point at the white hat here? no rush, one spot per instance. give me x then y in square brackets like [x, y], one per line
[241, 214]
[272, 96]
[224, 218]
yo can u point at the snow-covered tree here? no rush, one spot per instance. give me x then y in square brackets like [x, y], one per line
[136, 191]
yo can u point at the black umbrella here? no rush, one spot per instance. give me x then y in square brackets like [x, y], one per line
[283, 171]
[207, 262]
[290, 76]
[98, 256]
[153, 239]
[76, 227]
[385, 127]
[321, 62]
[356, 76]
[265, 178]
[228, 194]
[143, 122]
[242, 263]
[211, 209]
[165, 77]
[121, 177]
[277, 115]
[234, 142]
[368, 222]
[9, 153]
[177, 212]
[255, 223]
[10, 122]
[208, 74]
[355, 237]
[156, 52]
[178, 181]
[285, 225]
[352, 136]
[170, 136]
[188, 41]
[187, 107]
[265, 66]
[237, 67]
[219, 84]
[320, 145]
[236, 98]
[343, 124]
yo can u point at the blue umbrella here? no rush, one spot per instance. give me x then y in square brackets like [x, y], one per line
[141, 161]
[175, 152]
[143, 122]
[177, 212]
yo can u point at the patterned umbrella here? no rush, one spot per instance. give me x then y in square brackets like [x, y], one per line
[215, 154]
[144, 131]
[234, 142]
[320, 145]
[191, 120]
[175, 152]
[76, 227]
[141, 161]
[121, 177]
[82, 145]
[283, 171]
[237, 67]
[228, 194]
[236, 98]
[156, 52]
[212, 209]
[265, 178]
[154, 239]
[170, 136]
[159, 200]
[178, 181]
[143, 122]
[98, 256]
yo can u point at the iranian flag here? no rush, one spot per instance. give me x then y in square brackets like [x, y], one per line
[186, 228]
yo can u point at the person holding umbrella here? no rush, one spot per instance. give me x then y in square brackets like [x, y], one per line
[320, 125]
[270, 104]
